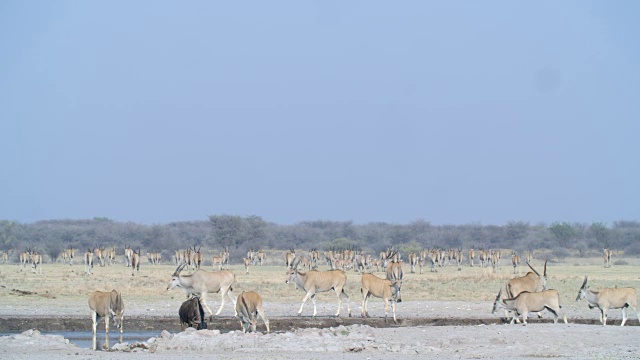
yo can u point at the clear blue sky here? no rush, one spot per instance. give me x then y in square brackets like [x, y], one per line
[449, 111]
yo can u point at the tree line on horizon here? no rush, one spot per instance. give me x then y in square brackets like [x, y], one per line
[241, 233]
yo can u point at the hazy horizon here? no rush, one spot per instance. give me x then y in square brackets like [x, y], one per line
[455, 113]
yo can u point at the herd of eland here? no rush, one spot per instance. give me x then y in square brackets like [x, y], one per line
[520, 296]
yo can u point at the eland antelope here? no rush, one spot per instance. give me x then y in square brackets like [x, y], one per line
[530, 282]
[36, 262]
[395, 274]
[527, 302]
[472, 256]
[262, 257]
[247, 262]
[610, 298]
[248, 307]
[314, 281]
[128, 255]
[607, 257]
[202, 282]
[88, 261]
[135, 262]
[5, 257]
[413, 261]
[107, 305]
[515, 260]
[25, 257]
[381, 288]
[288, 259]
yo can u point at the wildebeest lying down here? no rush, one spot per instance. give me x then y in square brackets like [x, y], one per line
[192, 314]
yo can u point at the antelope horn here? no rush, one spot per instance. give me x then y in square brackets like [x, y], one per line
[534, 270]
[499, 294]
[545, 268]
[584, 284]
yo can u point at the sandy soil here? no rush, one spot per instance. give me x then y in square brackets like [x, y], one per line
[354, 341]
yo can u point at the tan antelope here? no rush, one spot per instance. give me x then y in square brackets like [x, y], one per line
[202, 282]
[515, 260]
[251, 255]
[530, 282]
[472, 256]
[610, 298]
[460, 259]
[112, 256]
[396, 275]
[25, 257]
[262, 257]
[529, 256]
[527, 302]
[5, 257]
[217, 260]
[247, 262]
[106, 305]
[198, 257]
[68, 254]
[101, 253]
[149, 258]
[135, 262]
[607, 257]
[434, 256]
[288, 259]
[128, 255]
[248, 307]
[413, 261]
[88, 261]
[225, 258]
[178, 258]
[36, 262]
[380, 288]
[314, 281]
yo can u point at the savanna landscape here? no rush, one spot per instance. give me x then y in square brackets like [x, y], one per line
[445, 313]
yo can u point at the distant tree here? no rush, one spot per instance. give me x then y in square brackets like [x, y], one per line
[563, 233]
[7, 236]
[601, 234]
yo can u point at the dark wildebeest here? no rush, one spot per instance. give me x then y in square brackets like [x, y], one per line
[192, 314]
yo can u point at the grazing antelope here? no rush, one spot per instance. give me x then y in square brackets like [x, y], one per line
[128, 255]
[247, 262]
[202, 282]
[135, 262]
[527, 302]
[607, 257]
[472, 256]
[191, 314]
[610, 298]
[314, 281]
[380, 288]
[515, 259]
[248, 306]
[88, 261]
[288, 258]
[107, 305]
[36, 261]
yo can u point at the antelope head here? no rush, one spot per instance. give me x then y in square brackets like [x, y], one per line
[116, 309]
[175, 278]
[583, 290]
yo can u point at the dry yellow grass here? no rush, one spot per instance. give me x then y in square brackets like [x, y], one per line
[66, 284]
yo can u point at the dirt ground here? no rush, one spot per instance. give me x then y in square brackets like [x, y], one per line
[356, 341]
